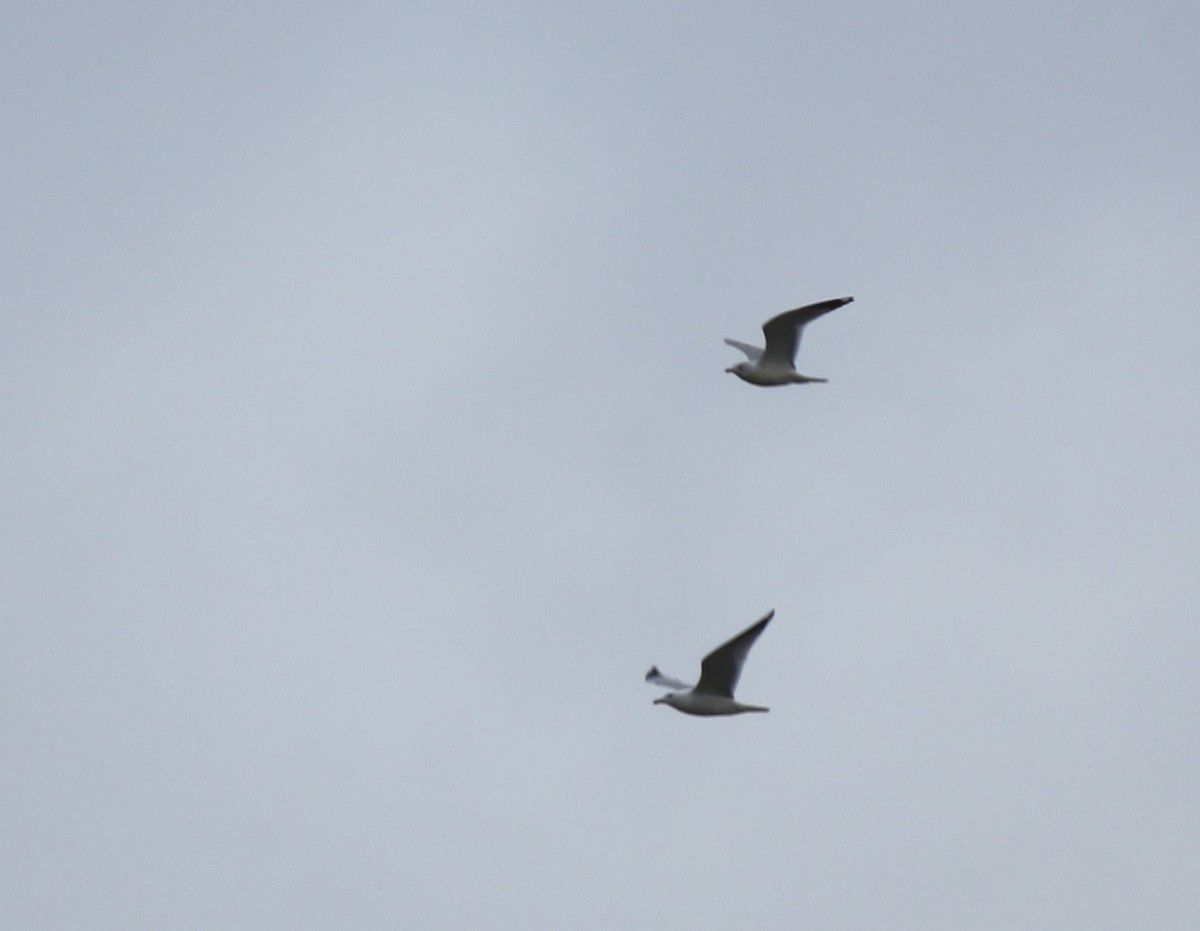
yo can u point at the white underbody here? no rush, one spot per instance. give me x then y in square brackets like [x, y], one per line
[770, 375]
[704, 703]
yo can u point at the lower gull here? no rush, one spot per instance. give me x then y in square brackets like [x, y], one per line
[719, 673]
[775, 364]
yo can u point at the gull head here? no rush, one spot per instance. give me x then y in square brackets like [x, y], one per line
[739, 368]
[664, 700]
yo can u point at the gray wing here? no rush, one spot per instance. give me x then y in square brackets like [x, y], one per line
[721, 669]
[783, 332]
[657, 678]
[753, 353]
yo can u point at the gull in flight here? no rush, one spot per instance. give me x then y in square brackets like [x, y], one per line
[776, 364]
[719, 673]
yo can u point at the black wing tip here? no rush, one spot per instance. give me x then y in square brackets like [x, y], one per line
[758, 626]
[652, 673]
[809, 312]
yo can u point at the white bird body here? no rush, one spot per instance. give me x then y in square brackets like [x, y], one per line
[775, 363]
[699, 703]
[771, 376]
[719, 674]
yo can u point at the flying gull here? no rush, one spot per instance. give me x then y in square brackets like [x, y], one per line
[776, 364]
[719, 673]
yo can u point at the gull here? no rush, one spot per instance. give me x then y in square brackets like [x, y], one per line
[776, 364]
[719, 673]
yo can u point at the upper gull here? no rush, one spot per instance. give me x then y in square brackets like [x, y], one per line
[776, 364]
[719, 673]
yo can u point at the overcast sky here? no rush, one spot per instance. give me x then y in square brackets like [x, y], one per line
[365, 438]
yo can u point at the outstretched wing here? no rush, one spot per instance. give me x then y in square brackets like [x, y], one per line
[753, 353]
[783, 332]
[721, 669]
[657, 678]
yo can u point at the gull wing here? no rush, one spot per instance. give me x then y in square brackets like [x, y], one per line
[783, 332]
[721, 669]
[657, 678]
[753, 353]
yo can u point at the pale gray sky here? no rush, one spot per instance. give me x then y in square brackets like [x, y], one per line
[366, 439]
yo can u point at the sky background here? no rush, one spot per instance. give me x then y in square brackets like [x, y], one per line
[365, 439]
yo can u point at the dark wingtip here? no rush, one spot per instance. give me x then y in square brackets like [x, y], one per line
[652, 673]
